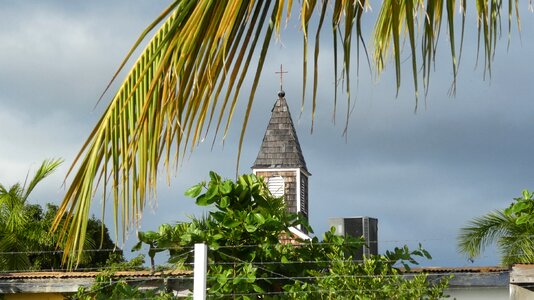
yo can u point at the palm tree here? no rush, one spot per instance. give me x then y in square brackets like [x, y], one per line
[188, 78]
[18, 234]
[511, 229]
[24, 230]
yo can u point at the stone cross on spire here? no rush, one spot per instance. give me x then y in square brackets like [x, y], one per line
[282, 72]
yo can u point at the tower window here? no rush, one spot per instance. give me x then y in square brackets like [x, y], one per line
[276, 186]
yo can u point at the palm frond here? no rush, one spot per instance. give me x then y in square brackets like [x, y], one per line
[12, 253]
[517, 248]
[163, 103]
[483, 231]
[47, 167]
[17, 233]
[12, 214]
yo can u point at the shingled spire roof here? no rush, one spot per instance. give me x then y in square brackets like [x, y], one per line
[280, 147]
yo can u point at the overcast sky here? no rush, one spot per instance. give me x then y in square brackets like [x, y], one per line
[423, 175]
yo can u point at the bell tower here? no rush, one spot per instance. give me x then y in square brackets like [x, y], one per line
[281, 163]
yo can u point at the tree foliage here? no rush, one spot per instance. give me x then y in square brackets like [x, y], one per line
[375, 277]
[19, 233]
[253, 254]
[100, 250]
[25, 240]
[108, 287]
[511, 229]
[188, 80]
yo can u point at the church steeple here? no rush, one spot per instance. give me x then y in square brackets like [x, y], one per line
[280, 147]
[280, 160]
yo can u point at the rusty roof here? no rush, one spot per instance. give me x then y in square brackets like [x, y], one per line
[469, 269]
[58, 275]
[280, 147]
[525, 266]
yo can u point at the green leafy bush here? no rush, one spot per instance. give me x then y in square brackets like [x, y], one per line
[247, 259]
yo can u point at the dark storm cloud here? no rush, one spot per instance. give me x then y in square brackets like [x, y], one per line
[60, 55]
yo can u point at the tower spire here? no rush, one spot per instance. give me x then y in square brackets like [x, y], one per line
[281, 163]
[280, 147]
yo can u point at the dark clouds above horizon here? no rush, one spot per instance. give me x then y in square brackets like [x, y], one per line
[422, 174]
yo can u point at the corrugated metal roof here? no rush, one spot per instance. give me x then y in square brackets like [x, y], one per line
[524, 266]
[469, 269]
[58, 275]
[280, 147]
[467, 277]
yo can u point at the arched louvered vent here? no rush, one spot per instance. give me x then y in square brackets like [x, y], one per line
[276, 186]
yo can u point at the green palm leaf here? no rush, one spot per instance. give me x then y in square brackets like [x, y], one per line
[13, 257]
[17, 233]
[483, 231]
[515, 242]
[47, 167]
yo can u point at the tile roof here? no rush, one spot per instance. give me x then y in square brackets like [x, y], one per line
[280, 147]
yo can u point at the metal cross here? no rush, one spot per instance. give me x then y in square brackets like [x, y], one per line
[281, 75]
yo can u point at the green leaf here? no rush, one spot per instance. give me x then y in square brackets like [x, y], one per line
[214, 246]
[508, 211]
[163, 229]
[257, 288]
[522, 219]
[229, 223]
[194, 191]
[259, 218]
[221, 279]
[527, 195]
[226, 187]
[251, 228]
[215, 177]
[213, 190]
[252, 256]
[137, 246]
[518, 207]
[426, 254]
[225, 201]
[218, 215]
[217, 236]
[204, 200]
[186, 239]
[147, 236]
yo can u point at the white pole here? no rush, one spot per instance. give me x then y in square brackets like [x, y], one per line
[200, 271]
